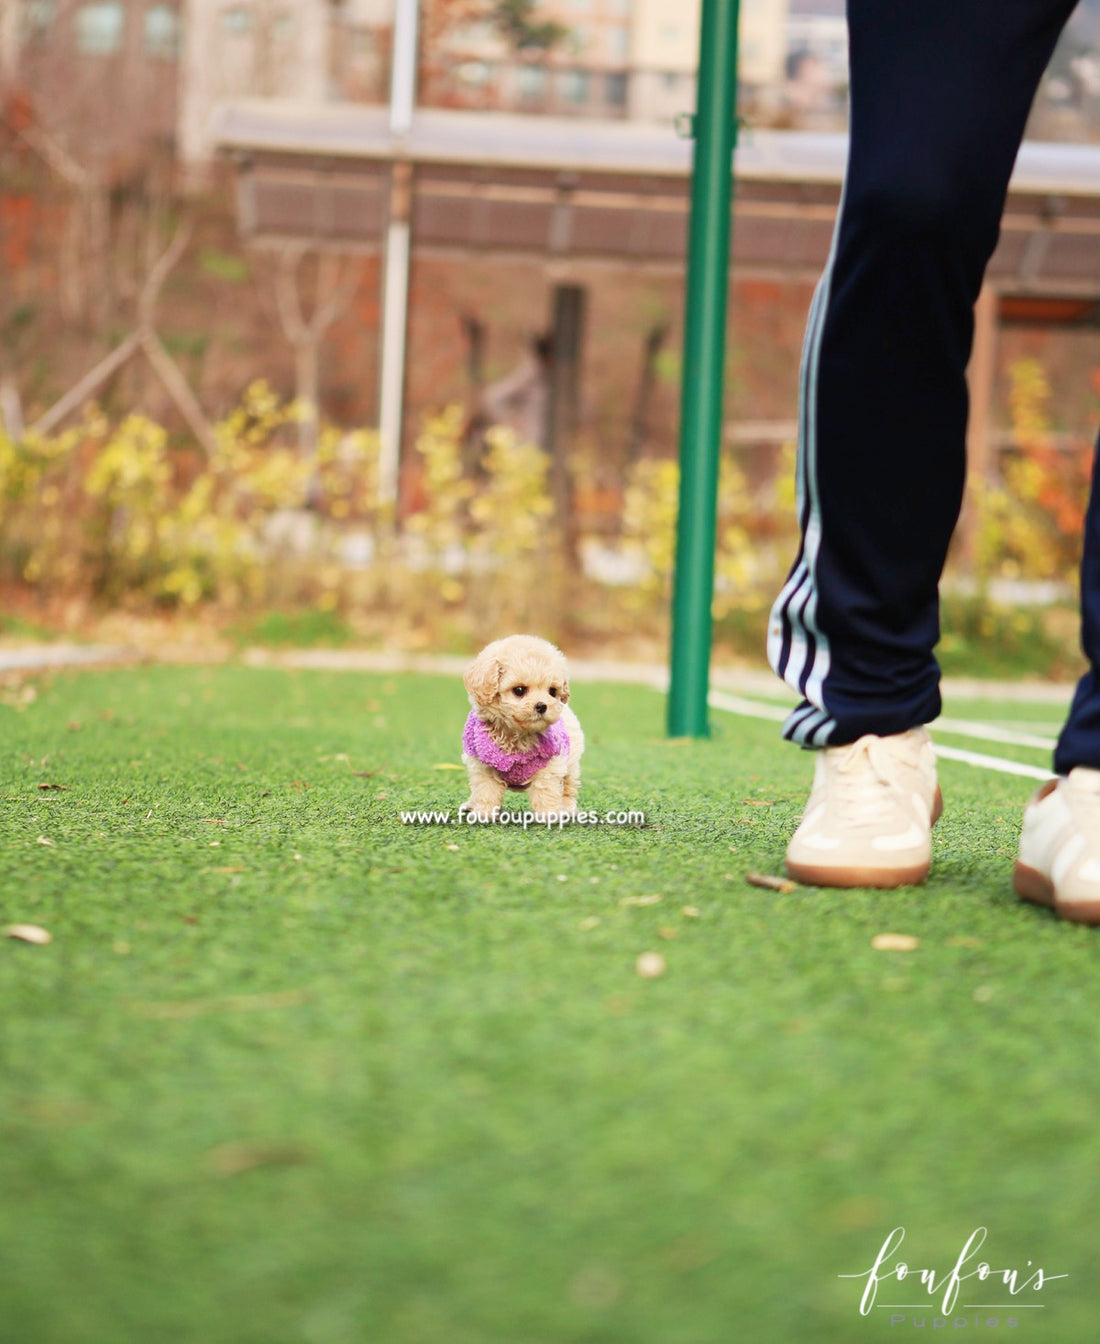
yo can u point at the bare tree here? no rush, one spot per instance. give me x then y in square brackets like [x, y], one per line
[336, 283]
[83, 295]
[146, 340]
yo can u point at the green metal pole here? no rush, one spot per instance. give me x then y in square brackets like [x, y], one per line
[715, 130]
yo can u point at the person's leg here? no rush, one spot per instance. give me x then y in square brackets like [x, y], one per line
[1079, 743]
[1059, 861]
[940, 93]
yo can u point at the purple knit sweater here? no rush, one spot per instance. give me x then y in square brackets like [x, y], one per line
[519, 769]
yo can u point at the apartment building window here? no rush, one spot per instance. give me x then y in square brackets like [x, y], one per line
[100, 27]
[237, 20]
[162, 32]
[532, 83]
[618, 44]
[38, 15]
[575, 86]
[614, 88]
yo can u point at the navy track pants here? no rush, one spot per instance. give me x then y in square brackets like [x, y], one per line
[940, 95]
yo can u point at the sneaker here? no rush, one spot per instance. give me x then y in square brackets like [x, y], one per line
[1059, 863]
[869, 819]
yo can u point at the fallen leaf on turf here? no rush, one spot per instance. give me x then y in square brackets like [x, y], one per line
[29, 933]
[964, 940]
[690, 911]
[230, 1159]
[43, 840]
[655, 899]
[447, 765]
[895, 942]
[451, 847]
[235, 869]
[214, 821]
[650, 965]
[61, 788]
[783, 884]
[757, 802]
[668, 933]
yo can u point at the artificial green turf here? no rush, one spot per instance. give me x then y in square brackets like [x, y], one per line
[292, 1071]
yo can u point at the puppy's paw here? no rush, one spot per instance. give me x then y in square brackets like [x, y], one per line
[557, 813]
[476, 807]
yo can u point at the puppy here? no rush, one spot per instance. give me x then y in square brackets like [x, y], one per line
[521, 733]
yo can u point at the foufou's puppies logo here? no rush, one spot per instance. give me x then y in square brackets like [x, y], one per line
[991, 1288]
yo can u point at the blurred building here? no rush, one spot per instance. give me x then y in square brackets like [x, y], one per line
[109, 78]
[241, 48]
[665, 49]
[102, 75]
[619, 58]
[584, 72]
[816, 88]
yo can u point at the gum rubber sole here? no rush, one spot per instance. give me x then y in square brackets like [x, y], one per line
[881, 878]
[1033, 886]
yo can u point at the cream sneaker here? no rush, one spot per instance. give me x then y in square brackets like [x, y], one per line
[1059, 863]
[869, 819]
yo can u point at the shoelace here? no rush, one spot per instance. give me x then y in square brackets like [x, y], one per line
[865, 760]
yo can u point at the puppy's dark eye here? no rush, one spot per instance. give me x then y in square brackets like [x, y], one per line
[519, 691]
[554, 692]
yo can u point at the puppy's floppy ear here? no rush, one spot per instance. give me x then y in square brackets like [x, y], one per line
[483, 676]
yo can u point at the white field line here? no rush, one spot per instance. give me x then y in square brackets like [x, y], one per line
[992, 763]
[988, 732]
[984, 732]
[735, 704]
[752, 709]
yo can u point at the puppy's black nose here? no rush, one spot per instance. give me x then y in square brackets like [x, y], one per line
[540, 708]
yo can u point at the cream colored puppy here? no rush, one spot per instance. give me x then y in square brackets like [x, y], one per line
[521, 733]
